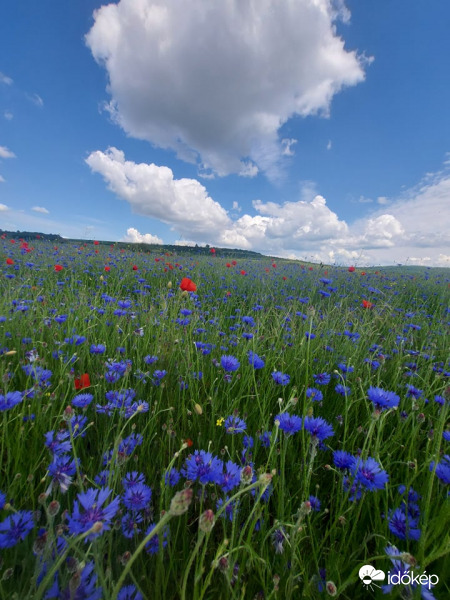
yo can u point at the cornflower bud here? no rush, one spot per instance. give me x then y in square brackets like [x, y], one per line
[331, 588]
[180, 502]
[246, 475]
[53, 508]
[206, 521]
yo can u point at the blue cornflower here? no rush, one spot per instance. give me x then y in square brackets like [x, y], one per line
[249, 321]
[86, 589]
[172, 477]
[129, 523]
[413, 392]
[97, 349]
[343, 390]
[344, 460]
[59, 443]
[229, 363]
[133, 478]
[322, 378]
[137, 497]
[279, 537]
[129, 592]
[62, 470]
[255, 361]
[290, 424]
[203, 466]
[231, 508]
[403, 526]
[149, 360]
[152, 547]
[281, 378]
[315, 503]
[234, 424]
[264, 438]
[82, 400]
[158, 376]
[314, 395]
[442, 469]
[10, 400]
[440, 400]
[131, 442]
[446, 435]
[92, 510]
[318, 428]
[78, 424]
[231, 477]
[247, 441]
[2, 500]
[15, 528]
[370, 474]
[382, 399]
[102, 478]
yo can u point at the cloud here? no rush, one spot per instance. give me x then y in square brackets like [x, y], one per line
[2, 180]
[6, 153]
[36, 99]
[152, 191]
[8, 115]
[5, 79]
[329, 145]
[133, 236]
[40, 209]
[415, 226]
[216, 81]
[3, 208]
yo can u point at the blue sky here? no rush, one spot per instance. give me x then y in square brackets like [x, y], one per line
[306, 129]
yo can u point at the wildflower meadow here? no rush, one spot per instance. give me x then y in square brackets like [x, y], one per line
[200, 426]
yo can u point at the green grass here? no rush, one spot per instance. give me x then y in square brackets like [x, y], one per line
[235, 558]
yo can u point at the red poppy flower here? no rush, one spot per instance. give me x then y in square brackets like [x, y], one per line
[310, 268]
[9, 261]
[58, 268]
[82, 381]
[351, 269]
[95, 243]
[135, 268]
[228, 265]
[367, 304]
[267, 270]
[213, 251]
[274, 265]
[187, 285]
[243, 272]
[107, 269]
[363, 272]
[284, 278]
[234, 263]
[12, 241]
[189, 442]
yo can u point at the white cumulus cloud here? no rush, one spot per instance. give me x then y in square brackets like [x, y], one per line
[6, 153]
[216, 80]
[152, 191]
[3, 208]
[5, 79]
[133, 236]
[414, 228]
[40, 209]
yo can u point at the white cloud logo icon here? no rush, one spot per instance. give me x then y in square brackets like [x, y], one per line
[369, 575]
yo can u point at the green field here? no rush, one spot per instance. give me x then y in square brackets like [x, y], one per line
[263, 436]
